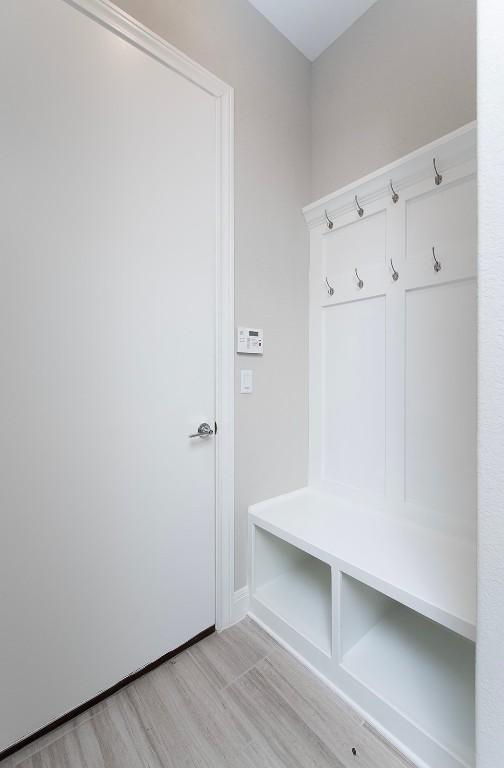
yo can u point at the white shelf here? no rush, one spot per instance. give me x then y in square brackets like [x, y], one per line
[424, 671]
[295, 587]
[302, 598]
[425, 569]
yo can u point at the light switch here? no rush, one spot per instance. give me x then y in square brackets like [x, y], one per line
[246, 385]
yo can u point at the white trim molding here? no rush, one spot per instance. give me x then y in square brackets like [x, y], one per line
[224, 461]
[448, 151]
[241, 602]
[122, 24]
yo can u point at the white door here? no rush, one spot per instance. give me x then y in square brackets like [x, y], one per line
[107, 348]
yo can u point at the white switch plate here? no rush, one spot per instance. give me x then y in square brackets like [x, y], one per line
[246, 382]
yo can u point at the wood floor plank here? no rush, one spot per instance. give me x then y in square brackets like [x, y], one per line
[215, 736]
[307, 689]
[151, 727]
[52, 736]
[223, 657]
[278, 730]
[334, 722]
[97, 743]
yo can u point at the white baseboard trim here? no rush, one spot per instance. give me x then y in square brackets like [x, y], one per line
[240, 605]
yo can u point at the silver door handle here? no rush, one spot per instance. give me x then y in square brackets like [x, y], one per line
[204, 430]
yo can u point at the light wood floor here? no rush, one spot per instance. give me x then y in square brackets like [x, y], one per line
[235, 700]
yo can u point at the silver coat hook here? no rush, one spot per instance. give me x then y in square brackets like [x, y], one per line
[437, 264]
[330, 224]
[395, 273]
[330, 289]
[395, 196]
[360, 283]
[360, 210]
[437, 178]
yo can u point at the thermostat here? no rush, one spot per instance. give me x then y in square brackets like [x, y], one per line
[249, 341]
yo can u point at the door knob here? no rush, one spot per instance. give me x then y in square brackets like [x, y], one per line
[204, 430]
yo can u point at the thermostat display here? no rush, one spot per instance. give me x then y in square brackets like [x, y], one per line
[250, 341]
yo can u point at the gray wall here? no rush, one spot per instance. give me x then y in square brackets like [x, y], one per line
[401, 76]
[272, 122]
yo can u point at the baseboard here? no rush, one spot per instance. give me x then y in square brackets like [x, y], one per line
[103, 695]
[240, 605]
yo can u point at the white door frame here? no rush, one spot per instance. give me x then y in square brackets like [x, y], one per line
[120, 23]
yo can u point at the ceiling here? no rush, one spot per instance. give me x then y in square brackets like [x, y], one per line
[312, 25]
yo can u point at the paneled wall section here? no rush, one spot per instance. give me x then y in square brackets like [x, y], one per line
[393, 340]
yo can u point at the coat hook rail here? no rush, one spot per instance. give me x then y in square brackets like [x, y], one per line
[360, 283]
[395, 196]
[437, 178]
[360, 210]
[330, 224]
[437, 264]
[395, 273]
[330, 289]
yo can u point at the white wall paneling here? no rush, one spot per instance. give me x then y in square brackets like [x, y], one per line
[440, 395]
[391, 504]
[444, 217]
[361, 242]
[353, 398]
[393, 364]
